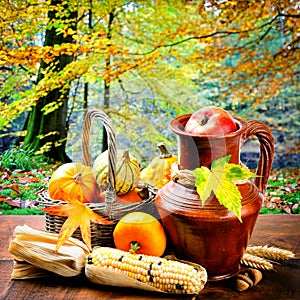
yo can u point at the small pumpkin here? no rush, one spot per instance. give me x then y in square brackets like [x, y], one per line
[139, 232]
[74, 181]
[158, 172]
[131, 197]
[127, 171]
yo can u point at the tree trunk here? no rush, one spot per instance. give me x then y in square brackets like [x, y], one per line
[48, 132]
[86, 84]
[106, 103]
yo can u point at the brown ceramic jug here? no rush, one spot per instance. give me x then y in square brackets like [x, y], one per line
[211, 235]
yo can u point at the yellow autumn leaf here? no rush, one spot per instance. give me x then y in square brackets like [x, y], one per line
[220, 180]
[78, 215]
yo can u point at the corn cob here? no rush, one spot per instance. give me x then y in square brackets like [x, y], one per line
[116, 267]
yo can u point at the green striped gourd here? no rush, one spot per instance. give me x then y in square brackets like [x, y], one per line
[127, 171]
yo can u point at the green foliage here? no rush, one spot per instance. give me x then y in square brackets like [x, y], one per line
[271, 211]
[283, 193]
[221, 181]
[159, 59]
[7, 209]
[22, 159]
[19, 189]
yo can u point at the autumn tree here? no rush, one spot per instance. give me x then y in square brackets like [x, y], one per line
[46, 124]
[148, 59]
[47, 130]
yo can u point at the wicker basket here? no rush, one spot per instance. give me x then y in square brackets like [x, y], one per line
[102, 235]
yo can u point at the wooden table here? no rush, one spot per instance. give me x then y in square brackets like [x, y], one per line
[276, 230]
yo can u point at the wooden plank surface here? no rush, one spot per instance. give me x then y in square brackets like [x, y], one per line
[274, 230]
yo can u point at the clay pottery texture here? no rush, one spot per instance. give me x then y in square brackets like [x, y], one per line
[211, 235]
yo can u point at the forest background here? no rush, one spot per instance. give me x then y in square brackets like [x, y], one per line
[143, 63]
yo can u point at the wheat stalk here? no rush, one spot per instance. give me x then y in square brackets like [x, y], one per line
[273, 253]
[256, 262]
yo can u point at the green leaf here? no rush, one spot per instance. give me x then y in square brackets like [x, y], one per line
[221, 180]
[236, 172]
[202, 175]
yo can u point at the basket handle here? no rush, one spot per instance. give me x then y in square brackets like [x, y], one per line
[110, 195]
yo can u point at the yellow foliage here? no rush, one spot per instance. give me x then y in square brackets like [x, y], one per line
[248, 49]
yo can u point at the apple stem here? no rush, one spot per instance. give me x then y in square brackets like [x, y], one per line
[204, 120]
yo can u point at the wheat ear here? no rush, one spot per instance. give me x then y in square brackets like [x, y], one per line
[273, 253]
[256, 262]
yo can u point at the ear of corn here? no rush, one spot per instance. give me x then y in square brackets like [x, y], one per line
[37, 248]
[109, 266]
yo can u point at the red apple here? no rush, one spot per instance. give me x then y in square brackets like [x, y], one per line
[210, 120]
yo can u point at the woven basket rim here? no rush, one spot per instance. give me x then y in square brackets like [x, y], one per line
[44, 199]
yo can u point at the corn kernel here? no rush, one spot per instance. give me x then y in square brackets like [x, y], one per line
[165, 275]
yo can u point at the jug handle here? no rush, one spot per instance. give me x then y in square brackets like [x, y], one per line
[266, 141]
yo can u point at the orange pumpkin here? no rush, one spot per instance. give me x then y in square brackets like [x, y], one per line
[74, 181]
[130, 197]
[139, 232]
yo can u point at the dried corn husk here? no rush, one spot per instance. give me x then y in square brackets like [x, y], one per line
[38, 249]
[25, 270]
